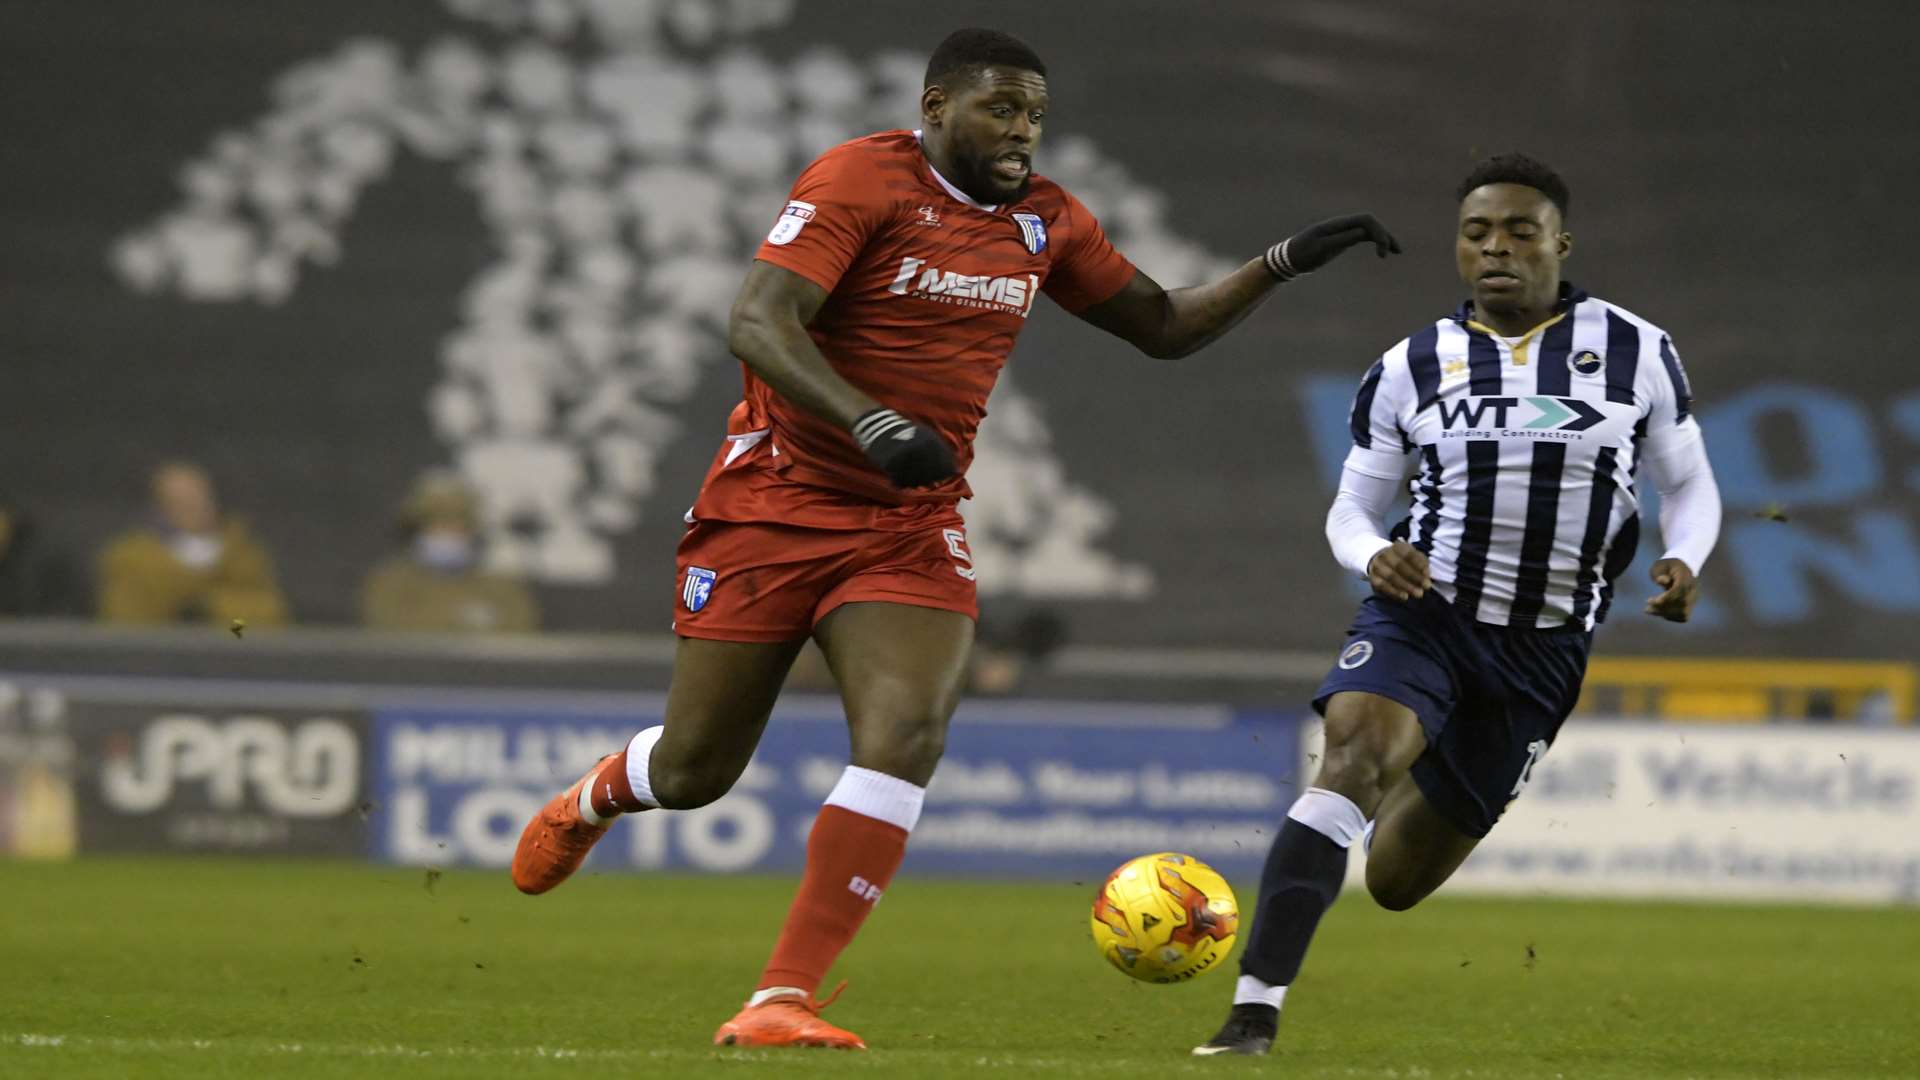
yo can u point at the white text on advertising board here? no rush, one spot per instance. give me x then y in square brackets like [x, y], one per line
[309, 771]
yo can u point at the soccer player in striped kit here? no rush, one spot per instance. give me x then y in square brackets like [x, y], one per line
[1523, 419]
[872, 324]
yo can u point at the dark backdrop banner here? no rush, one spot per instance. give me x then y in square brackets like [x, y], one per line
[208, 779]
[322, 247]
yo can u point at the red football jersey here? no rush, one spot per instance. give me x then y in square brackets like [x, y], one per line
[927, 291]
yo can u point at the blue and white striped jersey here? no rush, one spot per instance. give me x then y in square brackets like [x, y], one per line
[1525, 453]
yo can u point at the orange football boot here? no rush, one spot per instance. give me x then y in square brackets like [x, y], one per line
[788, 1020]
[556, 841]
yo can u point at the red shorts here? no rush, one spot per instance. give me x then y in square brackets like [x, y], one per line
[765, 559]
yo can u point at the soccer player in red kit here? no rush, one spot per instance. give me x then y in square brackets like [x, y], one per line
[872, 325]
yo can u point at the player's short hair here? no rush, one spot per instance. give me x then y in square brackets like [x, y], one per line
[964, 52]
[1518, 169]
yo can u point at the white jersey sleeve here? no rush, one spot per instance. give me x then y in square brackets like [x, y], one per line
[1377, 421]
[1670, 426]
[1676, 455]
[1375, 472]
[1357, 520]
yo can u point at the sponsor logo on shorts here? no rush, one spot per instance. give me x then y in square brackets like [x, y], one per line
[1356, 654]
[697, 588]
[792, 220]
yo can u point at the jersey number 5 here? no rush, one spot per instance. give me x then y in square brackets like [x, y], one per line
[957, 547]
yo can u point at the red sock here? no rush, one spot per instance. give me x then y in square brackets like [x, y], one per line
[850, 859]
[611, 792]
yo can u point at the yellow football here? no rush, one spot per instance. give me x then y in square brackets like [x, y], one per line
[1165, 918]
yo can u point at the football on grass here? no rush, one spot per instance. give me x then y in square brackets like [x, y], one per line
[1165, 918]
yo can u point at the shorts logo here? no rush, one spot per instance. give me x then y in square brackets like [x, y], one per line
[1536, 750]
[1586, 362]
[792, 220]
[1033, 232]
[1356, 654]
[697, 588]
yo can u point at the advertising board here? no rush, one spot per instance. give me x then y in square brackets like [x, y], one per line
[1025, 790]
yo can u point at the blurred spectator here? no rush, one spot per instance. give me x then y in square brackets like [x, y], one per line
[34, 579]
[436, 583]
[1006, 653]
[189, 564]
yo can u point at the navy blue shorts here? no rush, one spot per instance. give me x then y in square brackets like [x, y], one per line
[1491, 698]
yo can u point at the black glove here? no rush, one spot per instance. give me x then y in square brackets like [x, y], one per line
[910, 454]
[1317, 245]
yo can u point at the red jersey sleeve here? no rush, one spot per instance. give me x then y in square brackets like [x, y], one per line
[1087, 268]
[835, 206]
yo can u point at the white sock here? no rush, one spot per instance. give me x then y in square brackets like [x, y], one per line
[587, 813]
[762, 996]
[1330, 814]
[639, 776]
[877, 795]
[1251, 991]
[640, 764]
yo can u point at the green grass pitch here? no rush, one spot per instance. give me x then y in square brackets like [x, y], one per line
[249, 969]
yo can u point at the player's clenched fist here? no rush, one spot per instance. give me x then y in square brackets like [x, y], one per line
[910, 454]
[1399, 572]
[1676, 603]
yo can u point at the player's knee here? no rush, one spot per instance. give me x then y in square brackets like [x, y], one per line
[1394, 891]
[1370, 740]
[910, 751]
[689, 786]
[1355, 772]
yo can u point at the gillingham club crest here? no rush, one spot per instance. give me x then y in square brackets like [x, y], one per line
[1033, 232]
[698, 588]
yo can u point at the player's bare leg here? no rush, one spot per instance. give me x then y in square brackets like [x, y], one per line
[1414, 848]
[1371, 741]
[901, 670]
[717, 706]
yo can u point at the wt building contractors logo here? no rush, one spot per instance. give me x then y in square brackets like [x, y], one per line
[193, 780]
[1542, 414]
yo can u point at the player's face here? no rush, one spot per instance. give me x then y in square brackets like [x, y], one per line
[992, 125]
[1509, 248]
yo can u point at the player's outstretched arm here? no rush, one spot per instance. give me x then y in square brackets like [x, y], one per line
[1167, 324]
[767, 330]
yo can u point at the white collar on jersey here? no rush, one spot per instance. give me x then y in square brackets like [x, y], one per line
[951, 190]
